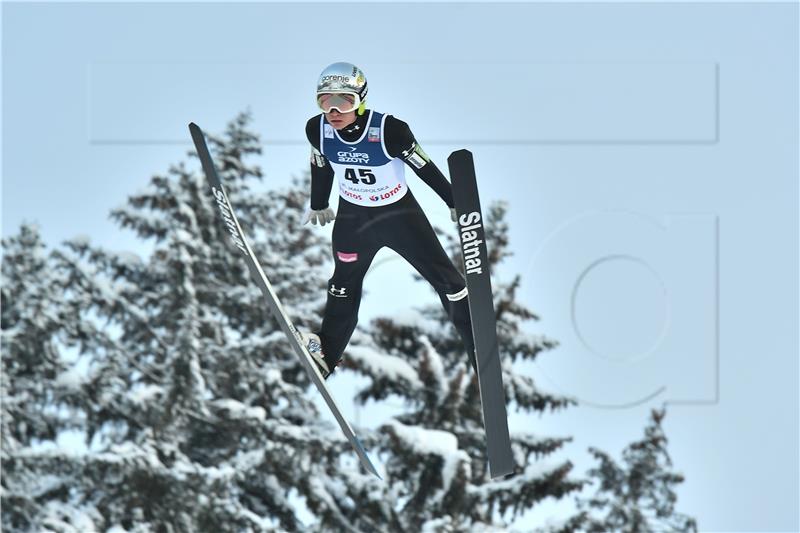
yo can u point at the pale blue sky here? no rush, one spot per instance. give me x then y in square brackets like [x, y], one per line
[648, 153]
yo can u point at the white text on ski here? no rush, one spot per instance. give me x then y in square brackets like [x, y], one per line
[470, 241]
[222, 203]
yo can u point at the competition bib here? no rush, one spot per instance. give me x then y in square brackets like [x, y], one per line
[366, 173]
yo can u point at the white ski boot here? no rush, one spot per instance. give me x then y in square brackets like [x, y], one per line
[314, 345]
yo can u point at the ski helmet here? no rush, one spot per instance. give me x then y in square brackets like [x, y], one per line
[343, 78]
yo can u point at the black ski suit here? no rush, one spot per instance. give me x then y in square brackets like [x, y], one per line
[361, 228]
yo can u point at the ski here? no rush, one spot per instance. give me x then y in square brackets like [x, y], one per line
[231, 224]
[481, 309]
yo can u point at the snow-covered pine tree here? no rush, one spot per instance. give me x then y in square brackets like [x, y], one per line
[35, 389]
[638, 496]
[194, 407]
[435, 453]
[196, 416]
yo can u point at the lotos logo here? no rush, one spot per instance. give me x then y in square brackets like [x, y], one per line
[388, 194]
[351, 195]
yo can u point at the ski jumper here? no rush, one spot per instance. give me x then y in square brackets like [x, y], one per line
[377, 209]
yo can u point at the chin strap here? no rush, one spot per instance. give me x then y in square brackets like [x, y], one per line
[361, 107]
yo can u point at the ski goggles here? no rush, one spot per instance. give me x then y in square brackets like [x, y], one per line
[341, 102]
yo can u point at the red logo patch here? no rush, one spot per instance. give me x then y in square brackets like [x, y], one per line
[347, 258]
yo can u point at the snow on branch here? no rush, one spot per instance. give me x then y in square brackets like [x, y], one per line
[425, 441]
[381, 365]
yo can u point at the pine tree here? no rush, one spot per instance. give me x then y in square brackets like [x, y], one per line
[639, 496]
[36, 385]
[434, 454]
[193, 404]
[211, 426]
[195, 408]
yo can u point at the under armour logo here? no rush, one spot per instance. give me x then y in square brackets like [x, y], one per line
[339, 293]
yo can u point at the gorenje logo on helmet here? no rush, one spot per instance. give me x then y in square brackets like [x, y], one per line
[336, 77]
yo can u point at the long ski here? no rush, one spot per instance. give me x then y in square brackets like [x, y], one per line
[295, 340]
[481, 310]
